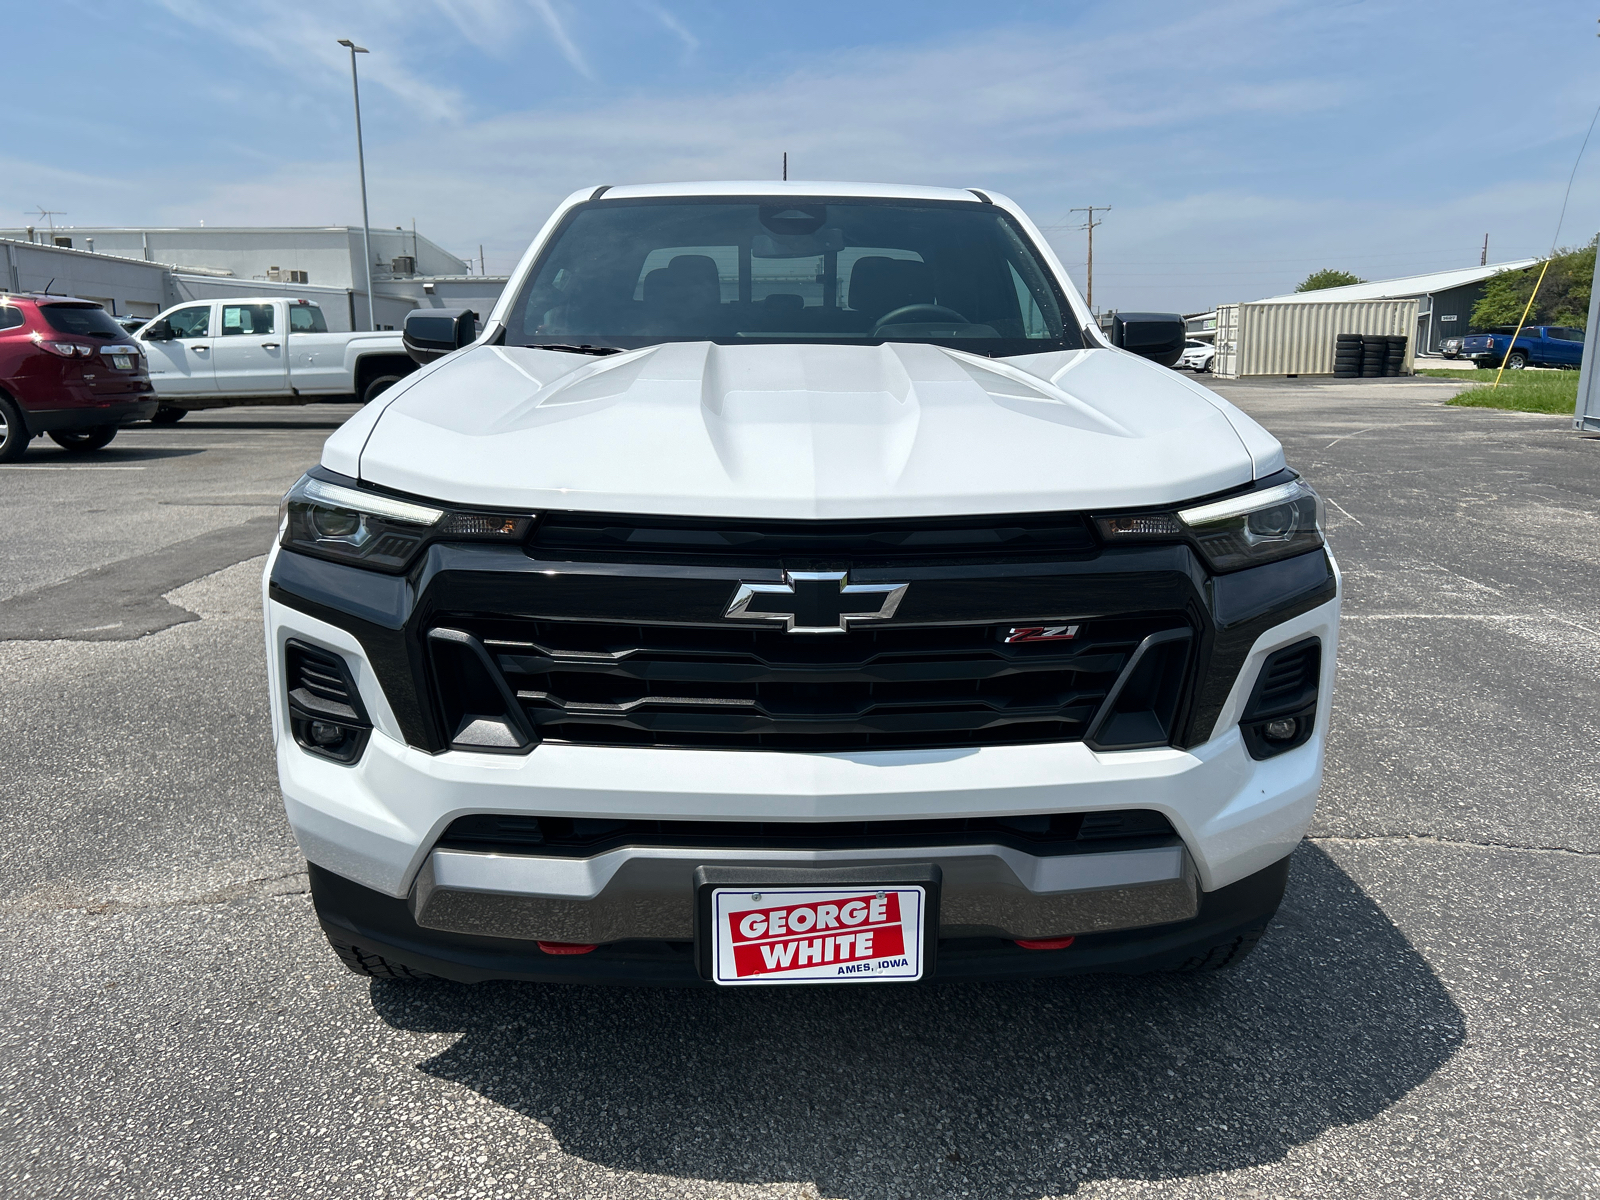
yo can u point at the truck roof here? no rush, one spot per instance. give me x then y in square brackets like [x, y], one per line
[792, 189]
[247, 300]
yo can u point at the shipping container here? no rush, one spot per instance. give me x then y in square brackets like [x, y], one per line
[1298, 339]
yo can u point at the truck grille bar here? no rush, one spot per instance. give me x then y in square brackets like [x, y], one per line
[884, 688]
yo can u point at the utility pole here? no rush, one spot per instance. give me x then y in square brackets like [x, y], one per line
[1483, 259]
[786, 166]
[1089, 224]
[361, 165]
[481, 270]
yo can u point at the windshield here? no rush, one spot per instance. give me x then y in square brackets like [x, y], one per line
[82, 319]
[630, 273]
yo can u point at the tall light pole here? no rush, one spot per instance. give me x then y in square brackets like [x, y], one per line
[361, 164]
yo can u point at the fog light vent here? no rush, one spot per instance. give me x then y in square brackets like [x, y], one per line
[1282, 712]
[325, 709]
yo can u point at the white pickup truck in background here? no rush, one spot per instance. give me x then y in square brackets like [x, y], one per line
[262, 350]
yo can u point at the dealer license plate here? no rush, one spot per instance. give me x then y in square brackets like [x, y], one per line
[122, 362]
[817, 935]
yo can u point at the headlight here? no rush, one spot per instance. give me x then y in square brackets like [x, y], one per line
[1259, 527]
[1241, 531]
[349, 525]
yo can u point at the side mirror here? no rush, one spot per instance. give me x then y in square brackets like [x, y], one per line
[1156, 336]
[158, 331]
[432, 333]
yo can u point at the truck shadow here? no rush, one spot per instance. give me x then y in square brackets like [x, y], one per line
[42, 453]
[1021, 1088]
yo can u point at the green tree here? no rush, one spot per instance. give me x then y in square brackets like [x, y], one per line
[1327, 278]
[1563, 296]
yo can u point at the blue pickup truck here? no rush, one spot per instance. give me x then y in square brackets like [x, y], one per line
[1536, 346]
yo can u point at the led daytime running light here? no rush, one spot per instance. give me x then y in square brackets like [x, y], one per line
[378, 506]
[1238, 506]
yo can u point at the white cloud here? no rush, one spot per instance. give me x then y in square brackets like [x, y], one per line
[672, 25]
[303, 42]
[558, 33]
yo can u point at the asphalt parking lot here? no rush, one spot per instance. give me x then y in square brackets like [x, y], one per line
[1421, 1021]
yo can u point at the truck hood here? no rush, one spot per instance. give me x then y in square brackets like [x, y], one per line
[897, 430]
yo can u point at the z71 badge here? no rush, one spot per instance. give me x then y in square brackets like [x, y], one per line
[1040, 633]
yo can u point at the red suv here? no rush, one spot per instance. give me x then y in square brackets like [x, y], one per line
[69, 370]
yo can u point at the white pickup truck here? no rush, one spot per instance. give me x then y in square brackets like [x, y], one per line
[262, 350]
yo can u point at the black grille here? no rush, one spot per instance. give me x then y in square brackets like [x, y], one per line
[863, 543]
[1056, 833]
[737, 688]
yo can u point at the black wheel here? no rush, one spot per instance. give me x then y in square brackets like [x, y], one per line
[14, 436]
[1516, 360]
[372, 965]
[1226, 953]
[167, 415]
[83, 441]
[379, 384]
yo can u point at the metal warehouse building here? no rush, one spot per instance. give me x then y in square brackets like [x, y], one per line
[320, 263]
[1444, 298]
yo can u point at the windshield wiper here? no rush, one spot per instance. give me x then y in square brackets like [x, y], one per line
[583, 349]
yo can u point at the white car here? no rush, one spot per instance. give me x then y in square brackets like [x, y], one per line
[262, 350]
[1197, 355]
[790, 585]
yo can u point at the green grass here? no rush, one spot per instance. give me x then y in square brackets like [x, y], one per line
[1522, 391]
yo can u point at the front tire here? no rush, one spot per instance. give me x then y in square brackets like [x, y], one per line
[167, 415]
[84, 441]
[1229, 952]
[378, 385]
[374, 966]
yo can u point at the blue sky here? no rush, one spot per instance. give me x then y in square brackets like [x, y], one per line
[1240, 144]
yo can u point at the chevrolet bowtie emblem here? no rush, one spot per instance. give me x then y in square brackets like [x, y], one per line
[815, 601]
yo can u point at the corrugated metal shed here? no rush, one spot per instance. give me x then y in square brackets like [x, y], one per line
[1269, 338]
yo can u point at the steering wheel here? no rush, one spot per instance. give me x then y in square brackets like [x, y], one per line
[936, 311]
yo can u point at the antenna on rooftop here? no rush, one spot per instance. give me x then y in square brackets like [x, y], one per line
[49, 215]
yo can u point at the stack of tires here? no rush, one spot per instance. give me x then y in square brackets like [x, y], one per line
[1374, 354]
[1395, 359]
[1347, 356]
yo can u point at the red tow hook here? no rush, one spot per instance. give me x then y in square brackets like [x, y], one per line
[1060, 943]
[576, 947]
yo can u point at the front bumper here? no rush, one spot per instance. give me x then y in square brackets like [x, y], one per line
[374, 825]
[371, 923]
[647, 891]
